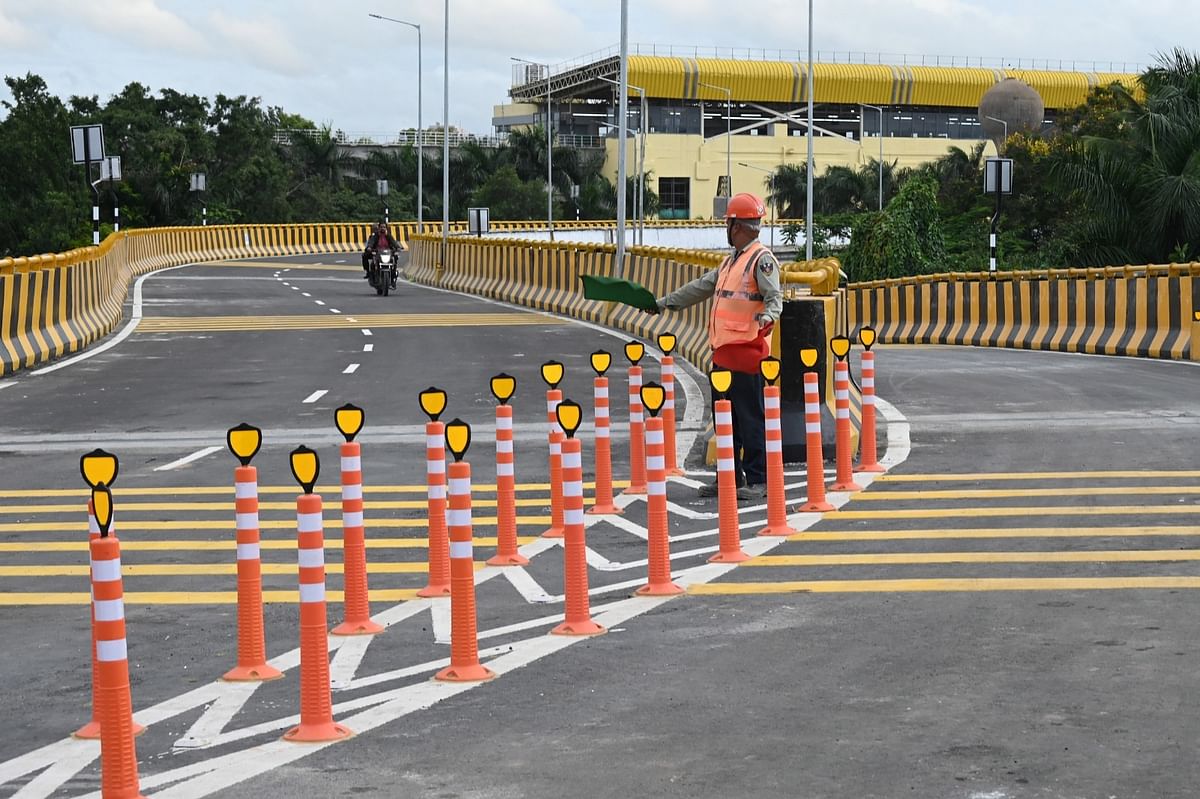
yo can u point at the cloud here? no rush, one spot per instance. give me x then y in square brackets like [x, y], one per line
[141, 23]
[13, 34]
[262, 41]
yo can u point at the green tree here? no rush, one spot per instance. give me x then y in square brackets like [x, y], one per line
[789, 190]
[509, 197]
[906, 238]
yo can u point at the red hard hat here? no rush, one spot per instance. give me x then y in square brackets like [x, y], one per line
[745, 206]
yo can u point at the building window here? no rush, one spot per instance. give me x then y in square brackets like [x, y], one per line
[674, 198]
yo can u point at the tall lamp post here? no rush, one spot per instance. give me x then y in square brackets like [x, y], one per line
[549, 148]
[728, 131]
[420, 129]
[880, 110]
[622, 131]
[1000, 150]
[808, 206]
[771, 189]
[640, 223]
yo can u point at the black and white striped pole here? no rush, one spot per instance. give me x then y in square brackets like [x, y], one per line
[997, 179]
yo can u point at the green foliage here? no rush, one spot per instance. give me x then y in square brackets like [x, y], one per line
[509, 197]
[905, 239]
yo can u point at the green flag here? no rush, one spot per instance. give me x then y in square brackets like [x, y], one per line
[613, 289]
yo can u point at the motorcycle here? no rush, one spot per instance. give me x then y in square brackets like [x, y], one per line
[382, 274]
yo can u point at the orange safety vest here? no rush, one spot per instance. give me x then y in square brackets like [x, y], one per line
[737, 300]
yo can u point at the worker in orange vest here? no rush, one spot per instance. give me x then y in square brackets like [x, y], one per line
[747, 301]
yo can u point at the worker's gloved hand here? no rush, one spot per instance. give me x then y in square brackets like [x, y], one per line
[652, 311]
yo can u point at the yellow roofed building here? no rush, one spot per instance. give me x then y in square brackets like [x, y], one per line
[744, 114]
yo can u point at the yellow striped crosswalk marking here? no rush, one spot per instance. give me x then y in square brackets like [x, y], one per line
[995, 532]
[205, 569]
[227, 490]
[146, 507]
[198, 324]
[984, 476]
[135, 545]
[126, 526]
[953, 584]
[907, 558]
[1051, 510]
[1002, 493]
[15, 598]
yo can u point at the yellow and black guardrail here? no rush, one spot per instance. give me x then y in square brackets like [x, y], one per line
[1143, 311]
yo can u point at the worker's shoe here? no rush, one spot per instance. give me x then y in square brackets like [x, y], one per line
[707, 491]
[751, 493]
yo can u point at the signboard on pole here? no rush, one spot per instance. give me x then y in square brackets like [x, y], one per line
[997, 176]
[477, 220]
[381, 188]
[199, 181]
[87, 143]
[110, 168]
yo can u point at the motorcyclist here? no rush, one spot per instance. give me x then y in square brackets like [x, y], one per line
[382, 238]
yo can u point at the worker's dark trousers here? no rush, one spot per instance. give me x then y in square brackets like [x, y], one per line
[749, 445]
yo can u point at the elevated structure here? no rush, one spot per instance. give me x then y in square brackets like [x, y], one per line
[925, 110]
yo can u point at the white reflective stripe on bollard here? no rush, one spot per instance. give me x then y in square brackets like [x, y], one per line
[109, 609]
[458, 517]
[352, 464]
[312, 592]
[111, 651]
[352, 519]
[308, 522]
[248, 551]
[106, 571]
[461, 549]
[245, 490]
[310, 558]
[247, 521]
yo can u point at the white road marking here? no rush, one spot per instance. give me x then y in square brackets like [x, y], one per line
[441, 621]
[526, 585]
[305, 294]
[352, 320]
[598, 561]
[341, 261]
[316, 395]
[366, 331]
[351, 369]
[621, 523]
[293, 288]
[217, 716]
[186, 459]
[347, 660]
[7, 384]
[334, 310]
[130, 326]
[319, 302]
[368, 348]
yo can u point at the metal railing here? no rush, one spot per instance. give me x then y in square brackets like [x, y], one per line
[845, 57]
[428, 138]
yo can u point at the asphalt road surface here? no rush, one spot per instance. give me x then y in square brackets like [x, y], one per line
[1006, 613]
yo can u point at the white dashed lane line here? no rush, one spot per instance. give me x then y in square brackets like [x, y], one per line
[195, 456]
[368, 348]
[351, 369]
[319, 302]
[316, 395]
[306, 294]
[366, 331]
[334, 310]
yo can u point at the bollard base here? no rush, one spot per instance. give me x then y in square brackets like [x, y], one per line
[604, 510]
[367, 627]
[815, 507]
[635, 491]
[849, 485]
[659, 589]
[587, 627]
[471, 673]
[873, 468]
[259, 673]
[779, 530]
[434, 591]
[555, 532]
[317, 733]
[91, 731]
[508, 560]
[737, 556]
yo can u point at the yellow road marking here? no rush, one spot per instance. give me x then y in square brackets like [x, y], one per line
[1000, 493]
[198, 546]
[197, 324]
[190, 597]
[966, 584]
[206, 569]
[145, 507]
[124, 526]
[227, 490]
[983, 476]
[902, 558]
[1052, 510]
[996, 532]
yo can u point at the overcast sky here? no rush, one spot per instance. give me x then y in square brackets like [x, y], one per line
[326, 60]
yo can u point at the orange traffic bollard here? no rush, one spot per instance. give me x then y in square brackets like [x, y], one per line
[841, 392]
[578, 617]
[118, 750]
[868, 457]
[316, 704]
[244, 442]
[464, 639]
[815, 458]
[604, 504]
[658, 539]
[357, 604]
[666, 343]
[433, 402]
[776, 499]
[503, 387]
[634, 351]
[730, 540]
[552, 373]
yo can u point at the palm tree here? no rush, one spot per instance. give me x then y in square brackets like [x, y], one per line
[789, 190]
[1141, 187]
[840, 190]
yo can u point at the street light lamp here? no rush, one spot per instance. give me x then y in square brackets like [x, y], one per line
[420, 129]
[880, 110]
[549, 148]
[1000, 149]
[640, 223]
[771, 189]
[728, 131]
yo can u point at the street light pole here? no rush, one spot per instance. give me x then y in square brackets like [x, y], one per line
[549, 149]
[446, 137]
[728, 132]
[1000, 150]
[880, 110]
[622, 131]
[808, 208]
[420, 128]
